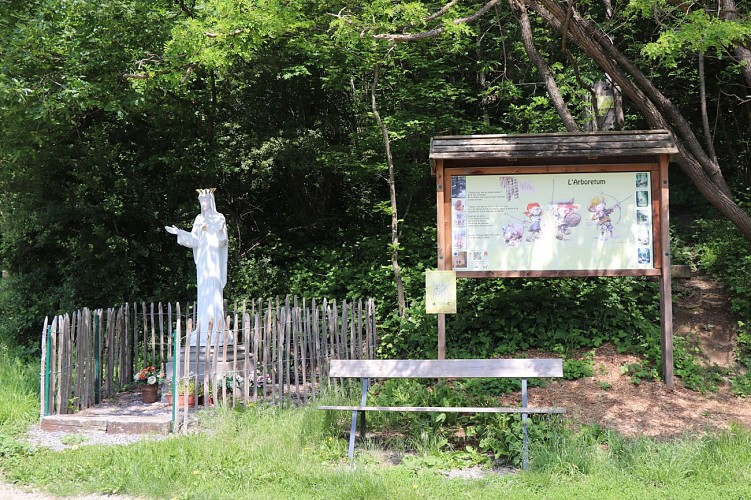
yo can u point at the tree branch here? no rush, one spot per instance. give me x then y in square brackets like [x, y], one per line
[442, 11]
[408, 37]
[698, 167]
[704, 116]
[401, 301]
[187, 10]
[542, 67]
[642, 91]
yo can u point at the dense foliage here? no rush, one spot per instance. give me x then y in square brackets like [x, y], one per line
[114, 112]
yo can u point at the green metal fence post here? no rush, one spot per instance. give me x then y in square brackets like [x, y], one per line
[47, 372]
[174, 381]
[97, 361]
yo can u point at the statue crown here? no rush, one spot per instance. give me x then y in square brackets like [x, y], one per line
[205, 192]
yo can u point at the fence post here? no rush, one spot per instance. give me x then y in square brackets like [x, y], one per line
[44, 372]
[97, 358]
[175, 362]
[291, 341]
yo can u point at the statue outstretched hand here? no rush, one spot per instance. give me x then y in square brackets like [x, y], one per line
[171, 229]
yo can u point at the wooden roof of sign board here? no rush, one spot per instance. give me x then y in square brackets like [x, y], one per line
[589, 147]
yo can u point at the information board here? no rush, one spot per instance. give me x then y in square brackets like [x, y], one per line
[440, 292]
[552, 221]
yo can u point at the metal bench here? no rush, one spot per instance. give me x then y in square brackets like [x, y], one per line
[446, 368]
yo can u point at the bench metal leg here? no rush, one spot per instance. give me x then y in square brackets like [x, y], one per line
[352, 429]
[353, 423]
[362, 425]
[525, 434]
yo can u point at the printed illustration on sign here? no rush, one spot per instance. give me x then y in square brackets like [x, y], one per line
[565, 221]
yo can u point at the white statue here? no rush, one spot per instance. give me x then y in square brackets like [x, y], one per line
[208, 239]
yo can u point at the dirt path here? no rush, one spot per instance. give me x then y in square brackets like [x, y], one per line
[701, 314]
[613, 401]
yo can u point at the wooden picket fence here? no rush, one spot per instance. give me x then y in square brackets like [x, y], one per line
[281, 351]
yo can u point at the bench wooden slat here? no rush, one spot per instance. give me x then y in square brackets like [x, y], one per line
[446, 368]
[448, 409]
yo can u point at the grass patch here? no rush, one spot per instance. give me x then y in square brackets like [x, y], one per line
[19, 391]
[268, 452]
[272, 452]
[604, 463]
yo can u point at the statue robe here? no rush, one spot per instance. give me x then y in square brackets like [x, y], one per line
[208, 239]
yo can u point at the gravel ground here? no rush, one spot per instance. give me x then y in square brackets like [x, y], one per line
[63, 440]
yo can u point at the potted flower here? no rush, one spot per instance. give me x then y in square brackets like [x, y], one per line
[232, 381]
[149, 379]
[193, 390]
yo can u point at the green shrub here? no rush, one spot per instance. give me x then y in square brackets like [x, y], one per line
[639, 372]
[579, 368]
[740, 384]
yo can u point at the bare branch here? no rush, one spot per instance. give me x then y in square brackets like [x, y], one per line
[437, 31]
[401, 301]
[739, 99]
[185, 8]
[188, 71]
[341, 16]
[442, 11]
[410, 37]
[152, 58]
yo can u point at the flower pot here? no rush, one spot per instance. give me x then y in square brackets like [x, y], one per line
[150, 393]
[214, 399]
[181, 399]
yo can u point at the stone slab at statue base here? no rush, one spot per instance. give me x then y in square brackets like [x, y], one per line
[201, 339]
[218, 364]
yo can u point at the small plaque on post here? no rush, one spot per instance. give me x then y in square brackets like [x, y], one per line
[440, 292]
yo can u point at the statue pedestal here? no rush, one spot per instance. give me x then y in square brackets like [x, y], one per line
[217, 340]
[218, 365]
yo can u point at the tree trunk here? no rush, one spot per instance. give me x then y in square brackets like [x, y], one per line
[729, 13]
[744, 56]
[542, 67]
[708, 136]
[483, 84]
[401, 301]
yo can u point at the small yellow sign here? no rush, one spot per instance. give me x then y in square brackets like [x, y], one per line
[440, 292]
